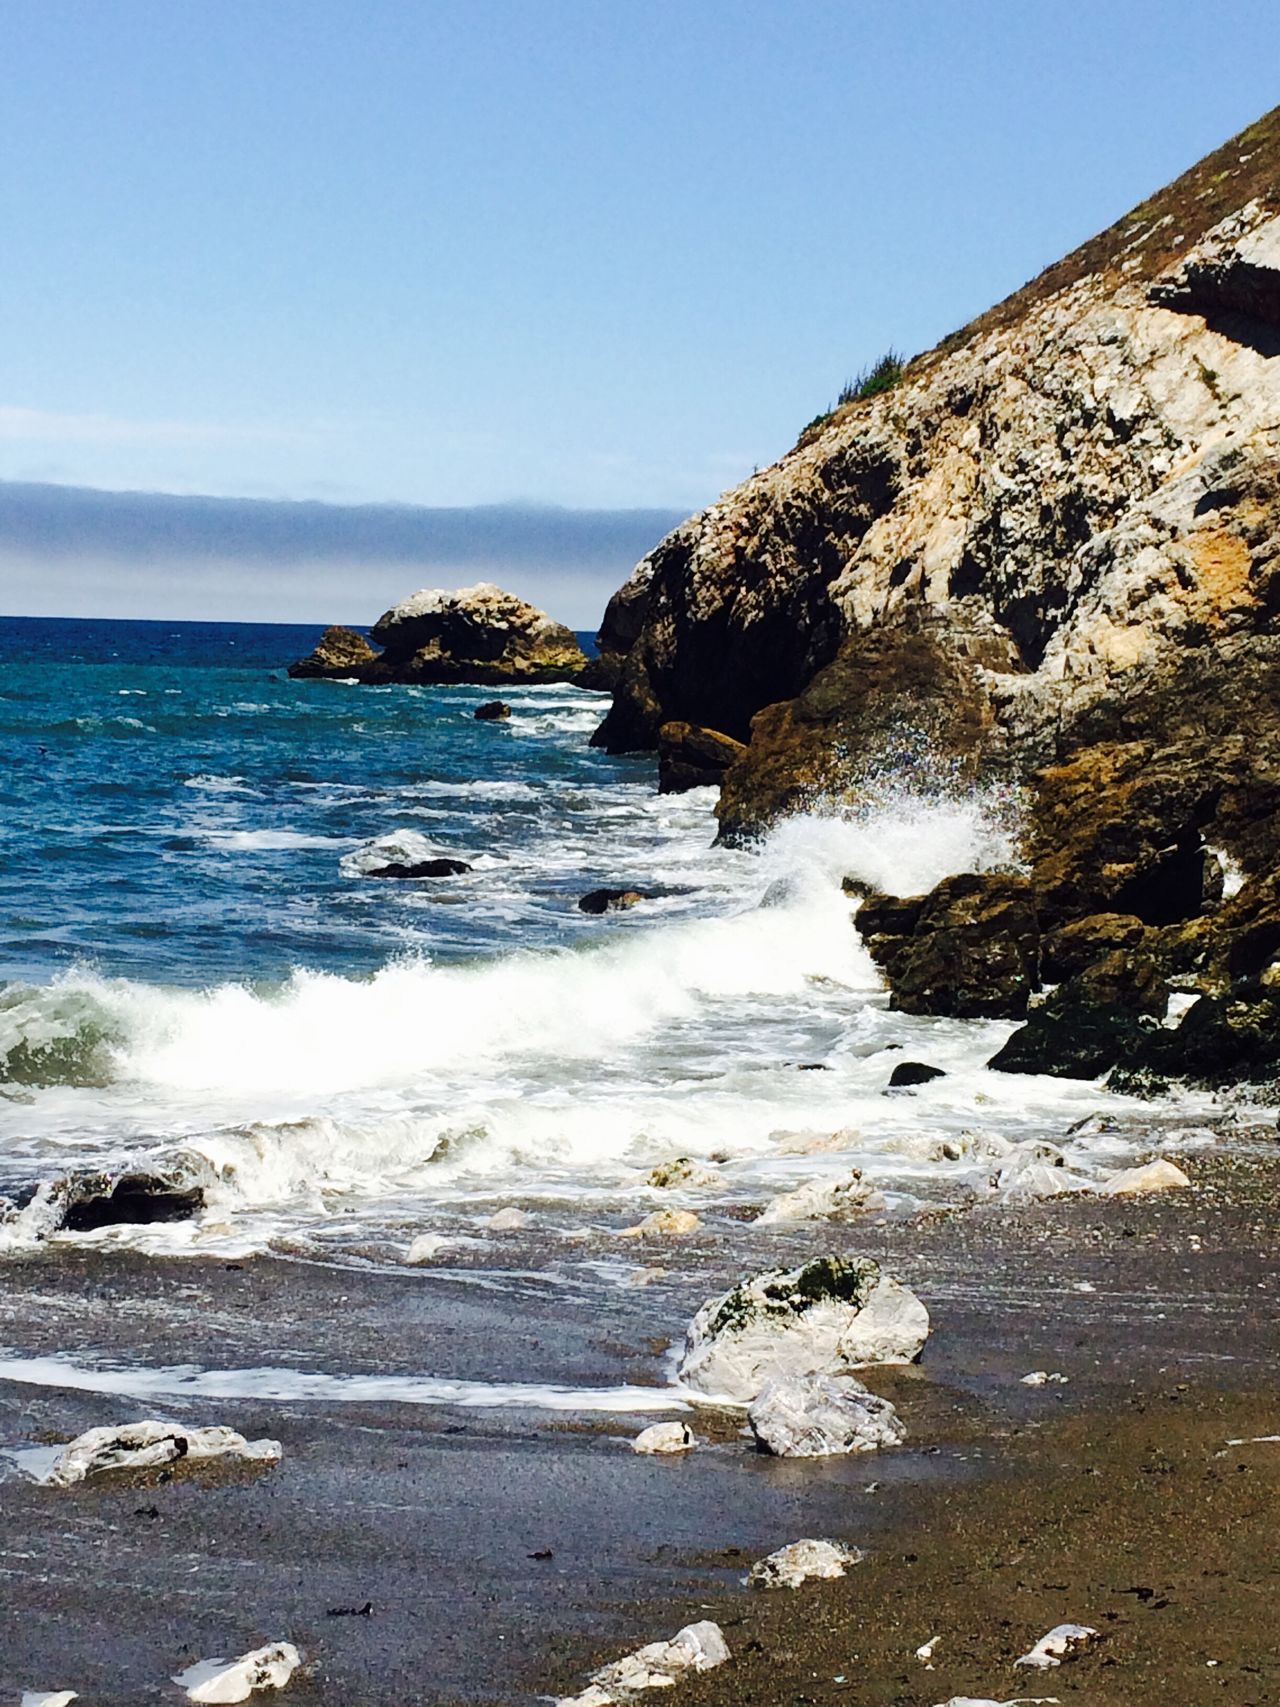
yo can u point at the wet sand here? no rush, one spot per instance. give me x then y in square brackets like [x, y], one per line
[1010, 1509]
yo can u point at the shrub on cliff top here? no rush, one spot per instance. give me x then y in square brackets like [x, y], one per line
[880, 376]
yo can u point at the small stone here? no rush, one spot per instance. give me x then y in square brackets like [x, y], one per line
[146, 1445]
[48, 1698]
[663, 1223]
[664, 1438]
[509, 1220]
[1063, 1642]
[426, 1248]
[1044, 1378]
[215, 1682]
[802, 1562]
[682, 1173]
[1154, 1176]
[818, 1417]
[824, 1200]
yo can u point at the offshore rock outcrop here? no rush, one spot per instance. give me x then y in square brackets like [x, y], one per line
[1050, 554]
[479, 634]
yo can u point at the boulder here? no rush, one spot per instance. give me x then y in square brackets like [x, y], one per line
[213, 1682]
[420, 868]
[689, 757]
[478, 634]
[802, 1562]
[842, 1199]
[146, 1445]
[816, 1416]
[969, 949]
[492, 711]
[909, 1073]
[665, 1438]
[1063, 1642]
[508, 1220]
[612, 900]
[340, 653]
[132, 1198]
[825, 1317]
[426, 1248]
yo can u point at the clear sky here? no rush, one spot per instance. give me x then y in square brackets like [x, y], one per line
[598, 255]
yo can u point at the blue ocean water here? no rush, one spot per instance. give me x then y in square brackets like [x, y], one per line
[200, 972]
[175, 808]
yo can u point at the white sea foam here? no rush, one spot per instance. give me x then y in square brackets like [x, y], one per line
[189, 1381]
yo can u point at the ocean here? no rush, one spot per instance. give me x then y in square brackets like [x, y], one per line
[200, 976]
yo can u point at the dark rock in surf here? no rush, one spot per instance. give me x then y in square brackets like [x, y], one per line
[612, 900]
[492, 711]
[421, 868]
[913, 1073]
[1098, 1019]
[88, 1201]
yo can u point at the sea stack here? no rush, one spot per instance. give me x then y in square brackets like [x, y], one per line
[477, 634]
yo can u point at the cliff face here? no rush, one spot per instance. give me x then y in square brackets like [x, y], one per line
[1015, 549]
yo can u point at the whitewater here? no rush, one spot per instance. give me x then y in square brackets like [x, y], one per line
[204, 977]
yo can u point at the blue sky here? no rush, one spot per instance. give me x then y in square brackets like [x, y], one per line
[593, 255]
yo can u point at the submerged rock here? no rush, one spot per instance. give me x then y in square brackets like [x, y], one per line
[824, 1200]
[802, 1562]
[441, 867]
[492, 711]
[815, 1416]
[683, 1173]
[341, 652]
[665, 1438]
[146, 1445]
[213, 1682]
[908, 1073]
[829, 1315]
[612, 900]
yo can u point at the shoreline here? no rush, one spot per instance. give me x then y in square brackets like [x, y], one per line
[431, 1512]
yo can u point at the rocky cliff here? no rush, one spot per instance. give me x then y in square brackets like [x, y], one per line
[1051, 551]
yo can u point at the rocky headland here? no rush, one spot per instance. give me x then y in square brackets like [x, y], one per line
[1048, 555]
[478, 634]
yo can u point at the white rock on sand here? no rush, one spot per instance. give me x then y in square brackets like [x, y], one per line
[986, 1701]
[1045, 1378]
[827, 1316]
[509, 1220]
[802, 1562]
[665, 1438]
[48, 1698]
[841, 1199]
[145, 1445]
[426, 1248]
[658, 1665]
[663, 1223]
[814, 1416]
[214, 1682]
[1160, 1175]
[1063, 1642]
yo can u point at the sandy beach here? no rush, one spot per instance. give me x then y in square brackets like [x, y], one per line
[1011, 1508]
